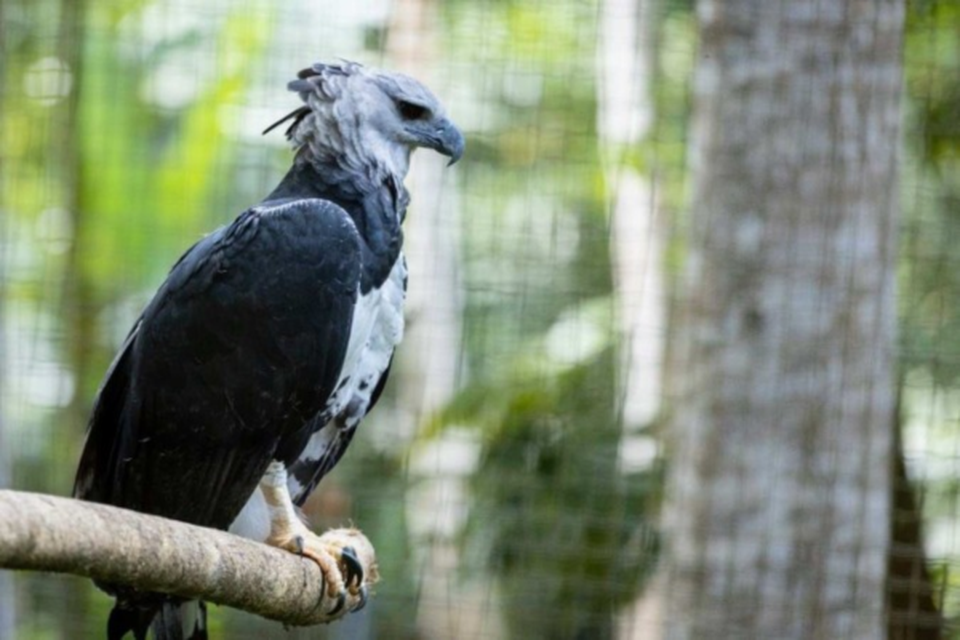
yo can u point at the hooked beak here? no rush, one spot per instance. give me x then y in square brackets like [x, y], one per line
[448, 140]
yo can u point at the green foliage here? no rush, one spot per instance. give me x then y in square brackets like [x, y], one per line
[551, 513]
[930, 274]
[930, 268]
[172, 161]
[381, 509]
[103, 187]
[565, 532]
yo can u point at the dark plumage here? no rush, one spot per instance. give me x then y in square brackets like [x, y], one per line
[271, 337]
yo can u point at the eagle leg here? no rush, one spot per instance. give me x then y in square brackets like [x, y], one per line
[343, 574]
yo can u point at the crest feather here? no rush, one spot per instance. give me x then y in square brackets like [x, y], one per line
[320, 80]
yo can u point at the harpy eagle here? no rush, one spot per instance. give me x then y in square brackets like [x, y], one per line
[246, 376]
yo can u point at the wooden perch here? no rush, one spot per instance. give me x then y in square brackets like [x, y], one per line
[46, 533]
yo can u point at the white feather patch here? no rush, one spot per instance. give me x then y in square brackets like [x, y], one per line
[377, 329]
[253, 521]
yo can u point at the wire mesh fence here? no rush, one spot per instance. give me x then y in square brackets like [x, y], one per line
[512, 477]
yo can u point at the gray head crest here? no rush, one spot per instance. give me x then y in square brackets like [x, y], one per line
[323, 79]
[319, 80]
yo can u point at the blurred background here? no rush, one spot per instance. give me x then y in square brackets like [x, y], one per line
[513, 475]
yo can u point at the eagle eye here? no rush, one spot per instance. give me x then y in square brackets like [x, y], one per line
[410, 111]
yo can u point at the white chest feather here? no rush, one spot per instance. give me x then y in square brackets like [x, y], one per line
[376, 331]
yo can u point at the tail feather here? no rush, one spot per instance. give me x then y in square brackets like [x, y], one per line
[168, 619]
[181, 621]
[126, 617]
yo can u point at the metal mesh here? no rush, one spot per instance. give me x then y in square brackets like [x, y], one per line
[512, 476]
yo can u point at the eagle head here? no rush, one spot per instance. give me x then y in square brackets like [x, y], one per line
[363, 118]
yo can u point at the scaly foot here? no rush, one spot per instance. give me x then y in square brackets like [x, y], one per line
[338, 552]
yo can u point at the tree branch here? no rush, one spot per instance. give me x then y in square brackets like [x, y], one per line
[47, 533]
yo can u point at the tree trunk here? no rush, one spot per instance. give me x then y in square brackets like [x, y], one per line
[626, 56]
[625, 116]
[779, 488]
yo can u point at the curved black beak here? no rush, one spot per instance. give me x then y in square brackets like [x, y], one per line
[449, 140]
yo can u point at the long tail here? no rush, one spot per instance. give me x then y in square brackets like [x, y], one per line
[169, 620]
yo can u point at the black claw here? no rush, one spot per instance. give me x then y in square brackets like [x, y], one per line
[363, 599]
[353, 570]
[299, 541]
[323, 591]
[341, 600]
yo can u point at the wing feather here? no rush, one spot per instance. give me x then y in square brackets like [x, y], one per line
[240, 349]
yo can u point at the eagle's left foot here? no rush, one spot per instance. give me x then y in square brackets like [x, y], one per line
[340, 553]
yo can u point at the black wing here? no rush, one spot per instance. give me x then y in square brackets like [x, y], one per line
[230, 363]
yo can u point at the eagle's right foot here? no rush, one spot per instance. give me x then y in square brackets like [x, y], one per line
[345, 590]
[337, 552]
